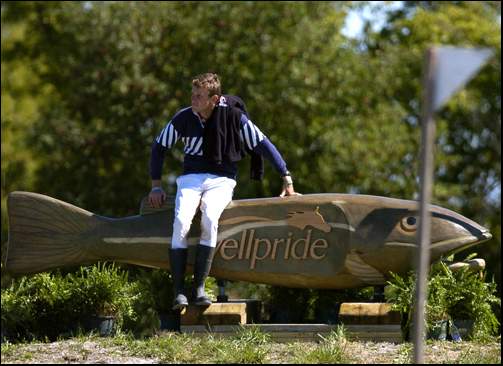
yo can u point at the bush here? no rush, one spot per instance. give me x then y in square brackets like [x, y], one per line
[50, 304]
[38, 306]
[102, 290]
[17, 312]
[158, 283]
[459, 295]
[144, 318]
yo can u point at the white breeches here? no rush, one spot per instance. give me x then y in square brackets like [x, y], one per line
[212, 193]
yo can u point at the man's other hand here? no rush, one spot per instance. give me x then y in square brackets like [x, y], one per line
[156, 197]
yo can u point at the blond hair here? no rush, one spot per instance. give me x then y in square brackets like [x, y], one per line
[209, 81]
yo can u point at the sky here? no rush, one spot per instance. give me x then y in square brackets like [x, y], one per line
[374, 12]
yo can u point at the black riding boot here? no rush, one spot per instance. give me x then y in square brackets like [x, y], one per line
[202, 266]
[178, 262]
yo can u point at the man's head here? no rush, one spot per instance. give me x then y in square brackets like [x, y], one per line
[206, 91]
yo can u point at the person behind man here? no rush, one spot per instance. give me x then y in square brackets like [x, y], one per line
[216, 132]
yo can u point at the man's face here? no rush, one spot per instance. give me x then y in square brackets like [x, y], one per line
[201, 100]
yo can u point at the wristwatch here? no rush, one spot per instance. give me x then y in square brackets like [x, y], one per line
[287, 179]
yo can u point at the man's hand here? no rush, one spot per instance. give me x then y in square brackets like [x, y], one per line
[288, 187]
[156, 197]
[289, 191]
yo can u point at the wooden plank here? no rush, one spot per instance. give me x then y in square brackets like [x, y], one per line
[253, 309]
[215, 314]
[302, 328]
[305, 332]
[369, 328]
[297, 327]
[375, 332]
[368, 313]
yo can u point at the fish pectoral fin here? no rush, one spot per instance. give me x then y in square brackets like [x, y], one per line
[363, 271]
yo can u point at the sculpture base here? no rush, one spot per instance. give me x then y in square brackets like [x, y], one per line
[368, 313]
[225, 313]
[374, 322]
[304, 332]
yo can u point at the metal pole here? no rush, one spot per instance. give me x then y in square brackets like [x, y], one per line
[427, 163]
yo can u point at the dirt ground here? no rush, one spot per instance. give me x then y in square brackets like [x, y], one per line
[94, 351]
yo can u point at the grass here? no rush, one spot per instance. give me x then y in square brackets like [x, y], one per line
[404, 354]
[248, 345]
[331, 349]
[473, 355]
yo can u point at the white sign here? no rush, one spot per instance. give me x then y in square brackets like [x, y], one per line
[454, 67]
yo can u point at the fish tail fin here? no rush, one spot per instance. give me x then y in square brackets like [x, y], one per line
[44, 232]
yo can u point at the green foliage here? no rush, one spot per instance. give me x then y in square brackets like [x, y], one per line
[103, 290]
[401, 293]
[458, 295]
[159, 284]
[154, 296]
[52, 304]
[87, 85]
[467, 172]
[40, 305]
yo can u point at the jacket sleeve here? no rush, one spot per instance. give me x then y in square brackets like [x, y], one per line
[255, 140]
[156, 160]
[166, 139]
[269, 151]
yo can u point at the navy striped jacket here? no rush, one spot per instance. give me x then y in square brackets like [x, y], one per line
[187, 126]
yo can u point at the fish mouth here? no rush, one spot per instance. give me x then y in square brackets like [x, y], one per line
[449, 245]
[486, 235]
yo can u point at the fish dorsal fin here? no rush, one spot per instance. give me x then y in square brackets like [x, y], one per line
[147, 209]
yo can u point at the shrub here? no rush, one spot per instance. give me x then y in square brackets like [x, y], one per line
[17, 311]
[49, 304]
[36, 306]
[102, 290]
[143, 320]
[459, 295]
[159, 285]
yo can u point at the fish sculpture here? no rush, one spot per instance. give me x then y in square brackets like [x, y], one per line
[329, 241]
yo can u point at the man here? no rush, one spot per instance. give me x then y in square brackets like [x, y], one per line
[216, 132]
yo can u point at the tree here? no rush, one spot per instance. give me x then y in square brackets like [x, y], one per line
[467, 174]
[344, 114]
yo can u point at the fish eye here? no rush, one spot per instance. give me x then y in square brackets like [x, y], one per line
[409, 223]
